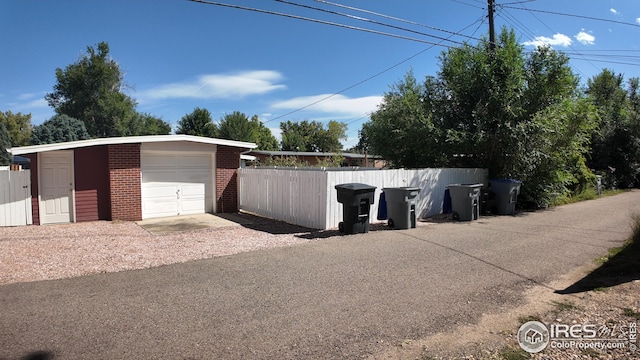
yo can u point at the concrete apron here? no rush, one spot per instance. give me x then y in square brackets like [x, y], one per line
[164, 225]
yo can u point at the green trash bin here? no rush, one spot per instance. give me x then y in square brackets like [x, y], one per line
[401, 206]
[506, 194]
[356, 200]
[465, 201]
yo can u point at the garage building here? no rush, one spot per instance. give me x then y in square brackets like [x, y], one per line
[133, 178]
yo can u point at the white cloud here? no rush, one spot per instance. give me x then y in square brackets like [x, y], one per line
[26, 96]
[585, 38]
[556, 40]
[638, 20]
[334, 104]
[29, 105]
[614, 11]
[39, 103]
[220, 86]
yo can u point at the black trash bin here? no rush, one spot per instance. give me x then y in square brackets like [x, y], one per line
[356, 200]
[401, 206]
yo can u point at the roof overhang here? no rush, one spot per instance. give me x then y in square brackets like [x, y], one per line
[23, 150]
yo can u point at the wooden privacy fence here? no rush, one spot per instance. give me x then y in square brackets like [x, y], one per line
[15, 198]
[307, 196]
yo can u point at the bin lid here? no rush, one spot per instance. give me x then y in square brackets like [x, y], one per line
[354, 187]
[405, 188]
[465, 185]
[509, 181]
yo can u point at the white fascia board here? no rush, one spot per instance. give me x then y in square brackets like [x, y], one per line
[22, 150]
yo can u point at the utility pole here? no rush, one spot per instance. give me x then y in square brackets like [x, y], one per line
[492, 31]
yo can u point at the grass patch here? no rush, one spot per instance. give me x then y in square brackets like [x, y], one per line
[525, 319]
[564, 306]
[511, 353]
[586, 194]
[610, 254]
[630, 313]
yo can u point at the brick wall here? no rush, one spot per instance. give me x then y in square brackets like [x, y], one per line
[124, 182]
[227, 163]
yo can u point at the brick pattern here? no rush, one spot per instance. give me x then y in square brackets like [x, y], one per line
[124, 181]
[227, 163]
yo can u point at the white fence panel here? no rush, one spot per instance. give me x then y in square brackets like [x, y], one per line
[378, 178]
[297, 197]
[433, 183]
[15, 198]
[307, 197]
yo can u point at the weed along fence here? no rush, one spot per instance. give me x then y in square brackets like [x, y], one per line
[15, 197]
[307, 196]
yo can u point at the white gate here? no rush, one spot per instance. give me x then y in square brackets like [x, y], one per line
[15, 198]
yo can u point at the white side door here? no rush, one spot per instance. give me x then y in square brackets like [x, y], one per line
[56, 186]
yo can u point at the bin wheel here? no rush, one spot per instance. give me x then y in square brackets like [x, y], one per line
[455, 216]
[391, 223]
[341, 227]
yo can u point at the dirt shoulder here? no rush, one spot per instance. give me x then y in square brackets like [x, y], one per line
[495, 336]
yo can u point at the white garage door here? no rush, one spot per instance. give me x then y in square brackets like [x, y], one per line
[176, 184]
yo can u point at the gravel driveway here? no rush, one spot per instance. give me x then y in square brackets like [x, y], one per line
[341, 297]
[32, 253]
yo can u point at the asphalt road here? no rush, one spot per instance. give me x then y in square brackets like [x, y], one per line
[341, 297]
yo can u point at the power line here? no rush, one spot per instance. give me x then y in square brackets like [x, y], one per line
[393, 18]
[570, 15]
[366, 20]
[547, 26]
[206, 2]
[361, 82]
[467, 4]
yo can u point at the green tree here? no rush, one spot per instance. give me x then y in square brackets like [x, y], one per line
[19, 127]
[60, 128]
[236, 126]
[145, 124]
[91, 90]
[551, 162]
[198, 123]
[5, 143]
[264, 137]
[483, 109]
[403, 121]
[616, 145]
[312, 136]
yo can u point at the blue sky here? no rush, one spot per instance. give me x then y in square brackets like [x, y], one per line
[178, 55]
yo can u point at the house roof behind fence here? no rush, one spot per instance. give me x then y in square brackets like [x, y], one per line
[309, 153]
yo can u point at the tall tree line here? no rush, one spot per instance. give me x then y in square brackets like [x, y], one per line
[520, 115]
